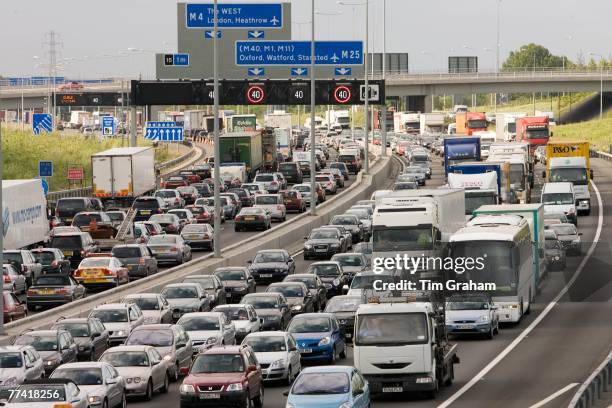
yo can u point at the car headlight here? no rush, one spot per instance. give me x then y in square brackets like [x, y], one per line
[278, 270]
[234, 387]
[336, 282]
[307, 246]
[576, 241]
[296, 307]
[347, 404]
[52, 362]
[289, 405]
[585, 202]
[120, 333]
[483, 319]
[324, 341]
[335, 245]
[241, 289]
[187, 389]
[168, 357]
[211, 340]
[11, 381]
[94, 399]
[278, 363]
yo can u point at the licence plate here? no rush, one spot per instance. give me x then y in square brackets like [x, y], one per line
[145, 212]
[393, 389]
[349, 335]
[249, 218]
[192, 236]
[265, 275]
[465, 326]
[320, 250]
[67, 253]
[46, 291]
[306, 351]
[229, 295]
[214, 395]
[92, 274]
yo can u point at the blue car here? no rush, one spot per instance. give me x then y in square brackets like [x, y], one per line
[329, 387]
[319, 337]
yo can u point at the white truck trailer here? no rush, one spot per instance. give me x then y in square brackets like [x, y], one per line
[24, 213]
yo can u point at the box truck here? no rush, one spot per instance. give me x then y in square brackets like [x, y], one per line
[533, 130]
[24, 214]
[502, 171]
[241, 123]
[469, 122]
[432, 123]
[570, 161]
[242, 147]
[123, 173]
[480, 189]
[460, 149]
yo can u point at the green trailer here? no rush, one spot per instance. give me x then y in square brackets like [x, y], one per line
[242, 147]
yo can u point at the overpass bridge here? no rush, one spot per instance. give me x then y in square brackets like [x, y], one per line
[415, 85]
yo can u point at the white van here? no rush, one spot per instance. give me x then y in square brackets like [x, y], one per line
[380, 193]
[559, 198]
[273, 203]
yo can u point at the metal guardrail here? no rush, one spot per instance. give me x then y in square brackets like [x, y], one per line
[598, 382]
[87, 191]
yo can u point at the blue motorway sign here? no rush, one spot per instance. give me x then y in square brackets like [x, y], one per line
[42, 122]
[298, 52]
[299, 71]
[343, 71]
[164, 132]
[45, 186]
[235, 15]
[108, 125]
[45, 168]
[257, 34]
[179, 60]
[256, 71]
[211, 34]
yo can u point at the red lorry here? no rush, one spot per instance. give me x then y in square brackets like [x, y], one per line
[533, 130]
[469, 122]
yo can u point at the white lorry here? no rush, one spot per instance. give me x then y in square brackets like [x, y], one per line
[480, 189]
[402, 347]
[24, 213]
[318, 122]
[406, 122]
[487, 138]
[80, 118]
[416, 222]
[232, 174]
[432, 123]
[123, 173]
[340, 118]
[505, 125]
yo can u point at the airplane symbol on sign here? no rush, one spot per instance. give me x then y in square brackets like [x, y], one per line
[274, 20]
[334, 57]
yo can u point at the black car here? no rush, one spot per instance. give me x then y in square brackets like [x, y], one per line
[211, 285]
[331, 274]
[315, 285]
[272, 264]
[54, 290]
[350, 222]
[272, 307]
[246, 198]
[147, 206]
[237, 281]
[52, 260]
[344, 308]
[322, 243]
[297, 294]
[347, 237]
[291, 172]
[67, 208]
[204, 189]
[89, 334]
[75, 246]
[137, 258]
[56, 347]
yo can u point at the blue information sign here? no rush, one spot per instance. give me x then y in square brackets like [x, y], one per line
[42, 122]
[45, 168]
[45, 186]
[164, 132]
[298, 52]
[108, 125]
[235, 15]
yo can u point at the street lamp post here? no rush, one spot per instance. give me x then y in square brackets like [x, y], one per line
[383, 109]
[601, 58]
[313, 193]
[217, 151]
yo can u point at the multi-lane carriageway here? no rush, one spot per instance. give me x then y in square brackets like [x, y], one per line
[537, 363]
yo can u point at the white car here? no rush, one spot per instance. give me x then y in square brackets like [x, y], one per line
[208, 329]
[17, 364]
[276, 353]
[273, 203]
[154, 307]
[244, 317]
[119, 319]
[171, 197]
[101, 381]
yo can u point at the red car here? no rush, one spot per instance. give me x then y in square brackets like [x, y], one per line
[71, 86]
[176, 181]
[201, 214]
[190, 176]
[293, 200]
[320, 193]
[223, 376]
[13, 308]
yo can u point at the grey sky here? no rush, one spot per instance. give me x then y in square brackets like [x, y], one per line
[429, 30]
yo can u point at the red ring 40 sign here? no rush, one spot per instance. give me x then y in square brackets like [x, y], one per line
[342, 94]
[255, 94]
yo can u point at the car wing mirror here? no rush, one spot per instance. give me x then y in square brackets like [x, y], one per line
[286, 393]
[112, 381]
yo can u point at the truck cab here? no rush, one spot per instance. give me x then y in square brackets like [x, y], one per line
[416, 357]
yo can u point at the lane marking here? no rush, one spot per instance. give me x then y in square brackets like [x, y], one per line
[553, 396]
[539, 318]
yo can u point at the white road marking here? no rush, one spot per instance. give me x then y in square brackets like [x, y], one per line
[539, 318]
[553, 396]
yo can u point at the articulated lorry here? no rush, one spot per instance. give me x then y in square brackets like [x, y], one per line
[501, 170]
[469, 122]
[338, 118]
[459, 149]
[24, 214]
[505, 125]
[432, 123]
[570, 161]
[406, 122]
[242, 147]
[480, 189]
[533, 130]
[196, 123]
[123, 173]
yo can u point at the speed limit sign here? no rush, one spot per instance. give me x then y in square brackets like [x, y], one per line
[255, 94]
[342, 94]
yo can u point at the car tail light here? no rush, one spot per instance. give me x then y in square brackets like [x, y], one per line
[32, 292]
[54, 264]
[176, 200]
[260, 217]
[7, 279]
[205, 236]
[82, 252]
[174, 249]
[141, 261]
[61, 291]
[274, 183]
[160, 211]
[108, 272]
[237, 218]
[77, 273]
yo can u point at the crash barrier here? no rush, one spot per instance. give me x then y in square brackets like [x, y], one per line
[598, 382]
[284, 235]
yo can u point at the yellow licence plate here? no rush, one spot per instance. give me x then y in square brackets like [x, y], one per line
[67, 253]
[249, 218]
[46, 292]
[93, 274]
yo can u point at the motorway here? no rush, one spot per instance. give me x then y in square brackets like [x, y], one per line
[537, 363]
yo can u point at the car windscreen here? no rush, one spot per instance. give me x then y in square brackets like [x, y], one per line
[126, 252]
[230, 275]
[81, 375]
[151, 337]
[71, 204]
[146, 204]
[261, 302]
[266, 200]
[115, 216]
[335, 305]
[233, 313]
[263, 178]
[324, 270]
[205, 282]
[44, 257]
[163, 218]
[218, 363]
[52, 280]
[321, 384]
[288, 291]
[199, 323]
[111, 315]
[561, 229]
[162, 240]
[261, 344]
[95, 263]
[391, 329]
[180, 292]
[126, 359]
[82, 220]
[310, 325]
[265, 257]
[350, 260]
[40, 343]
[75, 329]
[343, 220]
[166, 194]
[324, 234]
[66, 242]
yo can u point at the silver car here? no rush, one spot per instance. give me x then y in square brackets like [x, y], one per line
[171, 197]
[59, 392]
[119, 319]
[198, 236]
[170, 340]
[17, 364]
[13, 280]
[169, 248]
[276, 353]
[208, 329]
[244, 317]
[104, 386]
[154, 307]
[143, 368]
[186, 298]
